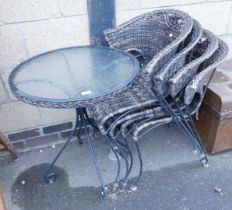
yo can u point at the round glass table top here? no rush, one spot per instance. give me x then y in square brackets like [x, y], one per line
[73, 74]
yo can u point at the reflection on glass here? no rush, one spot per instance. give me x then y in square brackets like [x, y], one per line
[76, 73]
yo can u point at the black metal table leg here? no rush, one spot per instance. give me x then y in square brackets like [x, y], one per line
[84, 119]
[80, 141]
[50, 176]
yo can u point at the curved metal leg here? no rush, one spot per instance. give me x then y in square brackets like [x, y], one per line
[123, 151]
[124, 180]
[192, 128]
[49, 176]
[204, 159]
[140, 168]
[195, 143]
[116, 180]
[84, 118]
[188, 134]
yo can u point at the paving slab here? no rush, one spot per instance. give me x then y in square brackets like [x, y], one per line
[173, 178]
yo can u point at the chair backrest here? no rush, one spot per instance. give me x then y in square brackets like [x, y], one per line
[156, 34]
[195, 58]
[160, 81]
[194, 92]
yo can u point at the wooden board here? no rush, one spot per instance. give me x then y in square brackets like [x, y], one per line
[2, 204]
[215, 115]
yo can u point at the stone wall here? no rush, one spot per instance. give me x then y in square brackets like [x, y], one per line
[30, 27]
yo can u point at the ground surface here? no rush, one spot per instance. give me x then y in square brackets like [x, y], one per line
[172, 178]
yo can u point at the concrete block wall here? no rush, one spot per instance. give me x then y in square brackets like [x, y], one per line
[30, 27]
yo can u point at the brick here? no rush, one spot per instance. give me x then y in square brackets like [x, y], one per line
[23, 134]
[12, 49]
[42, 140]
[13, 11]
[18, 116]
[65, 134]
[57, 128]
[72, 7]
[52, 34]
[19, 145]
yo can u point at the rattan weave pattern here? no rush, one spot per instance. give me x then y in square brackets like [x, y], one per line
[160, 83]
[195, 87]
[203, 50]
[140, 95]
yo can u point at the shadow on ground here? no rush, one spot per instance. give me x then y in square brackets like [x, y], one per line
[183, 187]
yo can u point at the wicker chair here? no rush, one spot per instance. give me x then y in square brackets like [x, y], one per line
[192, 97]
[182, 77]
[163, 80]
[162, 76]
[143, 34]
[188, 101]
[175, 111]
[156, 37]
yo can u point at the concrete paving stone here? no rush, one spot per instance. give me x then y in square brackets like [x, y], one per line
[4, 97]
[12, 49]
[48, 35]
[127, 5]
[170, 173]
[18, 116]
[72, 7]
[214, 18]
[228, 40]
[207, 18]
[165, 3]
[54, 116]
[13, 11]
[5, 75]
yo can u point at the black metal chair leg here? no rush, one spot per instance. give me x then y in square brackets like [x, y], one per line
[187, 126]
[193, 130]
[103, 190]
[49, 176]
[123, 151]
[188, 134]
[135, 186]
[116, 180]
[124, 180]
[204, 159]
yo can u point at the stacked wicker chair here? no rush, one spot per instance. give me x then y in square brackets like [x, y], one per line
[177, 59]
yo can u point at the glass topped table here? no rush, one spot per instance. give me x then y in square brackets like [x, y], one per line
[73, 77]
